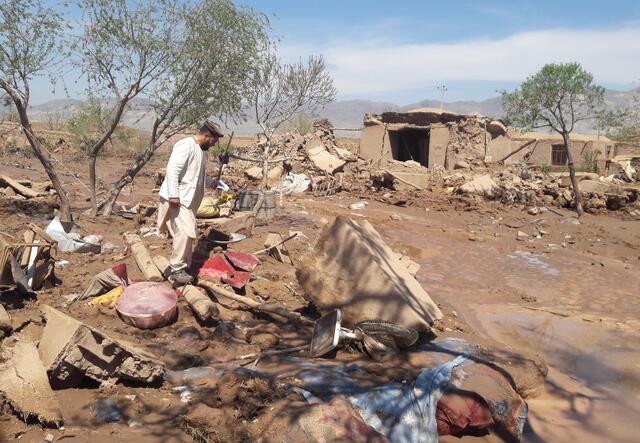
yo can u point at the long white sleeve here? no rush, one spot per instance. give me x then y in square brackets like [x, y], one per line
[175, 166]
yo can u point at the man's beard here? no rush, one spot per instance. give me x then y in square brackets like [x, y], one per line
[205, 146]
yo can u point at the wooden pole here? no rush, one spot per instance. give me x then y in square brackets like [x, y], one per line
[142, 257]
[261, 251]
[201, 305]
[221, 292]
[161, 263]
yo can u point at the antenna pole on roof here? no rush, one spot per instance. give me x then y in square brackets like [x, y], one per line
[442, 89]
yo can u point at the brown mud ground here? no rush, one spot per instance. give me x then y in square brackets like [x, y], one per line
[572, 296]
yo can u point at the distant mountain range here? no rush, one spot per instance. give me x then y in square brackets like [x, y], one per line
[343, 114]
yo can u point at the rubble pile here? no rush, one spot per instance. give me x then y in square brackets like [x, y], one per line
[466, 137]
[316, 155]
[517, 187]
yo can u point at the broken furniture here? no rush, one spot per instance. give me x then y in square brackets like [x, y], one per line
[33, 263]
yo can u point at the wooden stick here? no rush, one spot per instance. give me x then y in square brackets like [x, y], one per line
[262, 251]
[273, 352]
[41, 232]
[218, 291]
[404, 181]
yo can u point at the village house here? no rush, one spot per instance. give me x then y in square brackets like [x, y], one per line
[433, 137]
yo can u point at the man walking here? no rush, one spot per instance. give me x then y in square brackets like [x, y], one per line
[181, 194]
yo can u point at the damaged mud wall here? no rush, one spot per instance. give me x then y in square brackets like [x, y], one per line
[467, 139]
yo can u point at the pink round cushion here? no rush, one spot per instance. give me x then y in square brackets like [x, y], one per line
[147, 305]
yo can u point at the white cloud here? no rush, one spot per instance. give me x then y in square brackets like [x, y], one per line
[611, 55]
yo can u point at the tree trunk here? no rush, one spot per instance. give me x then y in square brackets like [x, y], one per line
[92, 183]
[45, 160]
[106, 205]
[577, 198]
[265, 177]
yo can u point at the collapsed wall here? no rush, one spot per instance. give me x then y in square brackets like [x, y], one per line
[432, 137]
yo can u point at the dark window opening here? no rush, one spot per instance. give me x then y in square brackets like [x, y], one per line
[558, 155]
[410, 144]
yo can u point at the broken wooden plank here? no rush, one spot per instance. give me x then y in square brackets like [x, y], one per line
[142, 257]
[41, 232]
[20, 189]
[28, 237]
[201, 305]
[24, 383]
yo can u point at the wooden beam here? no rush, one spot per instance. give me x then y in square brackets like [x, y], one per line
[201, 305]
[221, 292]
[142, 257]
[20, 189]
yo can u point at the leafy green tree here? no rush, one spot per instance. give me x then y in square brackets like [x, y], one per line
[31, 42]
[125, 47]
[90, 121]
[557, 97]
[206, 76]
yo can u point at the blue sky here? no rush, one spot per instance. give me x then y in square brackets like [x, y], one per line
[400, 51]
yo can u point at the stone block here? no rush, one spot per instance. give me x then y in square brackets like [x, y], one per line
[24, 383]
[352, 268]
[71, 350]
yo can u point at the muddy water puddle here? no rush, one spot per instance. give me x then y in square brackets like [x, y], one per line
[593, 387]
[583, 320]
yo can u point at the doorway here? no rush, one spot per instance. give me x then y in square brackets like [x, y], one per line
[410, 144]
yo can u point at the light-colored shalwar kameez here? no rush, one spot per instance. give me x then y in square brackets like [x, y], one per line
[185, 179]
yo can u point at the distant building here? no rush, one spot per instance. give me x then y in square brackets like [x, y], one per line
[433, 137]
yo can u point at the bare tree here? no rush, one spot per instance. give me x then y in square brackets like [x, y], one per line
[30, 43]
[279, 91]
[557, 97]
[207, 75]
[124, 48]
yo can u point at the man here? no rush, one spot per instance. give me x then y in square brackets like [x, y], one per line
[181, 194]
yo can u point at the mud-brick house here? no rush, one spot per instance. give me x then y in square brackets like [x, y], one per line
[548, 149]
[433, 137]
